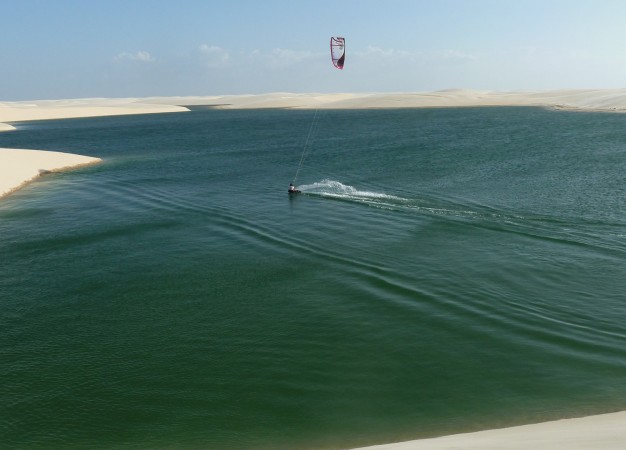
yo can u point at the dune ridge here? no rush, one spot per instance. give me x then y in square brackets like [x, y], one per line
[574, 99]
[579, 99]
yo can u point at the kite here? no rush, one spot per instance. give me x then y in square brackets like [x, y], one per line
[338, 51]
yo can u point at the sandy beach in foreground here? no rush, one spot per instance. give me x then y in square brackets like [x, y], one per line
[19, 166]
[601, 432]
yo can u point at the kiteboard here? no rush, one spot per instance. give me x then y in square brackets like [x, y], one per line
[295, 191]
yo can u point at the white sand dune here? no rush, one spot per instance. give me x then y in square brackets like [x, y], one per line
[18, 166]
[89, 107]
[601, 432]
[582, 99]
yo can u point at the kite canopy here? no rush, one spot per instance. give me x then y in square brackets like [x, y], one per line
[338, 51]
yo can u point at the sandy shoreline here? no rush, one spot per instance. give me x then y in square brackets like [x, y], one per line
[604, 431]
[18, 167]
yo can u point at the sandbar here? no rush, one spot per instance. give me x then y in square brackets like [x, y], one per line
[20, 166]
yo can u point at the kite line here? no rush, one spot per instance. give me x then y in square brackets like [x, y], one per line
[338, 57]
[313, 127]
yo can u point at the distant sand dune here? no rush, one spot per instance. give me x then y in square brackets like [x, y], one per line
[64, 109]
[589, 99]
[582, 99]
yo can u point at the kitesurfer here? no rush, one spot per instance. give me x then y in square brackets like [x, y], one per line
[292, 188]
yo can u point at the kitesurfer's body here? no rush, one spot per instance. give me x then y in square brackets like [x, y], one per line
[292, 189]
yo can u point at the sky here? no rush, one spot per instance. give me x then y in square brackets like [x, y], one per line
[57, 49]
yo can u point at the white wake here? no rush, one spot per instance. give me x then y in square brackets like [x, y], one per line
[330, 188]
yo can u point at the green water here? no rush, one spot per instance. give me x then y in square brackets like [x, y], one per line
[443, 271]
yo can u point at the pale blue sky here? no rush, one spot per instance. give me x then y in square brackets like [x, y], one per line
[119, 48]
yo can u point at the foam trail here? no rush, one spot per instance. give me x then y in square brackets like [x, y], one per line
[432, 207]
[330, 188]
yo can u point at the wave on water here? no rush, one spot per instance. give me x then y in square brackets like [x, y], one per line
[465, 212]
